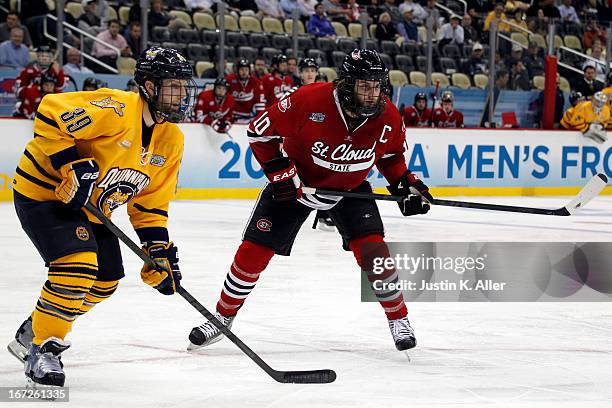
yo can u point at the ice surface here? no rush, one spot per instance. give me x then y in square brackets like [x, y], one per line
[305, 313]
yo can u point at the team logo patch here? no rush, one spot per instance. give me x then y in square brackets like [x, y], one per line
[157, 160]
[317, 117]
[111, 104]
[264, 225]
[82, 233]
[120, 186]
[126, 144]
[285, 104]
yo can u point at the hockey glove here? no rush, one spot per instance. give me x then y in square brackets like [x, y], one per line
[79, 178]
[168, 278]
[411, 204]
[596, 132]
[286, 184]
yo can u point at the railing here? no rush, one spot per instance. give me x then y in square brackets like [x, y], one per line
[582, 55]
[82, 35]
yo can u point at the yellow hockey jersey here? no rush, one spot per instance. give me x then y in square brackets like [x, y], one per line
[582, 115]
[608, 92]
[107, 125]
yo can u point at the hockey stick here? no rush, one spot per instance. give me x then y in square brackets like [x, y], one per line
[297, 377]
[588, 192]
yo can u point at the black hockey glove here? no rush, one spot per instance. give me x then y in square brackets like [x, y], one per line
[167, 280]
[411, 204]
[78, 179]
[286, 184]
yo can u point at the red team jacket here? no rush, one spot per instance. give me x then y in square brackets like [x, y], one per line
[248, 97]
[29, 99]
[441, 120]
[311, 127]
[30, 73]
[208, 109]
[275, 87]
[412, 118]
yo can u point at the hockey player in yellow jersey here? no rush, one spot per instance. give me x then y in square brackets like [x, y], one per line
[590, 117]
[110, 148]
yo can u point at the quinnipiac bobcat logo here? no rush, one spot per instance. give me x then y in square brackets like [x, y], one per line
[82, 233]
[120, 186]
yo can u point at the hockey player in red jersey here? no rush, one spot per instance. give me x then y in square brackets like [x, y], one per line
[278, 82]
[331, 134]
[418, 115]
[31, 95]
[45, 64]
[247, 91]
[215, 107]
[446, 116]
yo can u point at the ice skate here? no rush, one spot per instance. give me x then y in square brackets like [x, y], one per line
[43, 366]
[403, 334]
[23, 340]
[207, 333]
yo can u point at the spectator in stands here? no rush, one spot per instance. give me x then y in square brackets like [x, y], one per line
[592, 33]
[519, 79]
[319, 25]
[112, 37]
[374, 10]
[32, 16]
[335, 11]
[501, 79]
[73, 64]
[385, 30]
[259, 67]
[199, 5]
[470, 35]
[394, 12]
[600, 69]
[102, 10]
[270, 8]
[597, 43]
[289, 5]
[512, 6]
[408, 28]
[158, 17]
[516, 18]
[533, 61]
[13, 52]
[308, 6]
[89, 20]
[496, 16]
[568, 12]
[133, 37]
[548, 9]
[476, 64]
[451, 33]
[588, 86]
[132, 86]
[419, 15]
[515, 55]
[353, 8]
[433, 12]
[12, 21]
[245, 7]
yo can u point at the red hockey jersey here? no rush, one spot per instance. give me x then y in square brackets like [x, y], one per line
[275, 87]
[29, 99]
[312, 129]
[248, 97]
[441, 119]
[412, 117]
[209, 108]
[32, 72]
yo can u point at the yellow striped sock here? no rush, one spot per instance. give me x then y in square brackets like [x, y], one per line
[98, 292]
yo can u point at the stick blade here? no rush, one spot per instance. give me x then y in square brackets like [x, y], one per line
[306, 377]
[588, 192]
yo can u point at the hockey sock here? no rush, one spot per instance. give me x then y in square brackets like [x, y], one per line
[392, 301]
[70, 278]
[250, 260]
[100, 291]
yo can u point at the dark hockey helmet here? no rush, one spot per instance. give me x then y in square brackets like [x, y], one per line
[575, 98]
[308, 63]
[45, 56]
[45, 78]
[321, 77]
[278, 59]
[171, 102]
[362, 65]
[221, 82]
[447, 96]
[93, 83]
[420, 96]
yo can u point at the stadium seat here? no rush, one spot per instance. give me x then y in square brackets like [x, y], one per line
[573, 42]
[397, 78]
[268, 53]
[326, 44]
[250, 24]
[564, 85]
[230, 52]
[124, 15]
[202, 66]
[404, 63]
[448, 65]
[182, 15]
[204, 21]
[372, 30]
[558, 41]
[236, 39]
[330, 72]
[460, 80]
[418, 78]
[74, 9]
[112, 14]
[281, 41]
[386, 58]
[340, 29]
[441, 78]
[182, 48]
[210, 37]
[289, 53]
[372, 44]
[230, 21]
[338, 58]
[481, 81]
[538, 82]
[249, 53]
[347, 45]
[539, 40]
[198, 52]
[389, 47]
[187, 35]
[421, 63]
[161, 34]
[451, 51]
[126, 65]
[272, 25]
[520, 38]
[288, 24]
[354, 30]
[259, 40]
[411, 49]
[305, 42]
[319, 56]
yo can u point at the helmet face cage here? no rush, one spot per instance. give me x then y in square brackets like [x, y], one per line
[599, 100]
[361, 75]
[174, 90]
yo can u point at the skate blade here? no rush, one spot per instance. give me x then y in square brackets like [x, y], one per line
[407, 356]
[193, 347]
[46, 391]
[18, 351]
